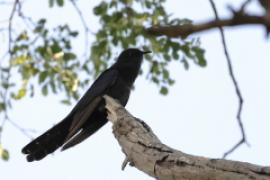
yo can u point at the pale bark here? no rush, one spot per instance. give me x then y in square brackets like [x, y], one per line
[146, 152]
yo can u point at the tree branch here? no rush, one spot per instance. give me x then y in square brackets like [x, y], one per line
[5, 93]
[236, 86]
[10, 24]
[85, 26]
[188, 29]
[146, 152]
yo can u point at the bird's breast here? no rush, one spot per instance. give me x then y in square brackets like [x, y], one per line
[120, 91]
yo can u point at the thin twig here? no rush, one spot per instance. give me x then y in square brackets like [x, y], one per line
[23, 130]
[10, 24]
[5, 93]
[28, 21]
[80, 14]
[18, 127]
[244, 5]
[85, 26]
[237, 89]
[16, 3]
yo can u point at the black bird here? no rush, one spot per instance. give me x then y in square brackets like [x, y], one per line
[89, 114]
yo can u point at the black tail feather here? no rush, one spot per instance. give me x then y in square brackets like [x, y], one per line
[48, 142]
[57, 136]
[87, 131]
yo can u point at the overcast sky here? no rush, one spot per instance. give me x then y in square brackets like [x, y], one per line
[197, 117]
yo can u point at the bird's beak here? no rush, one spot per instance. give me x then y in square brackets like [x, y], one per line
[147, 52]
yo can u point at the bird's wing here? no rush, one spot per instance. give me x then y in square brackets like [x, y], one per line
[88, 129]
[56, 136]
[99, 87]
[81, 116]
[91, 100]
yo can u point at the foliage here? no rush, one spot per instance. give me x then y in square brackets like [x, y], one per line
[43, 58]
[4, 154]
[123, 25]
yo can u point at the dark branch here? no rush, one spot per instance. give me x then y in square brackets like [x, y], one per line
[244, 5]
[237, 89]
[188, 29]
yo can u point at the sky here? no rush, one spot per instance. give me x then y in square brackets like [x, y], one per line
[198, 116]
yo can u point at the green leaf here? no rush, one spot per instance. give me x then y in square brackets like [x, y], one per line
[21, 93]
[5, 85]
[155, 68]
[155, 79]
[113, 4]
[185, 62]
[44, 90]
[186, 49]
[199, 53]
[5, 155]
[42, 76]
[166, 74]
[22, 36]
[101, 9]
[74, 33]
[56, 48]
[163, 90]
[69, 56]
[148, 4]
[2, 107]
[167, 57]
[19, 59]
[171, 81]
[66, 102]
[40, 26]
[175, 55]
[42, 21]
[51, 3]
[53, 87]
[60, 2]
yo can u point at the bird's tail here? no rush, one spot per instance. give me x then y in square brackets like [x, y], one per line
[60, 135]
[48, 142]
[89, 128]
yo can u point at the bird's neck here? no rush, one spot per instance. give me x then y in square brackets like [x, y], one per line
[128, 72]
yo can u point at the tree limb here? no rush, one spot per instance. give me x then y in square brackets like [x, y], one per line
[146, 152]
[188, 29]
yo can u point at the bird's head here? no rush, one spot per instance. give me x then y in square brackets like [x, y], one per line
[129, 63]
[131, 56]
[132, 53]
